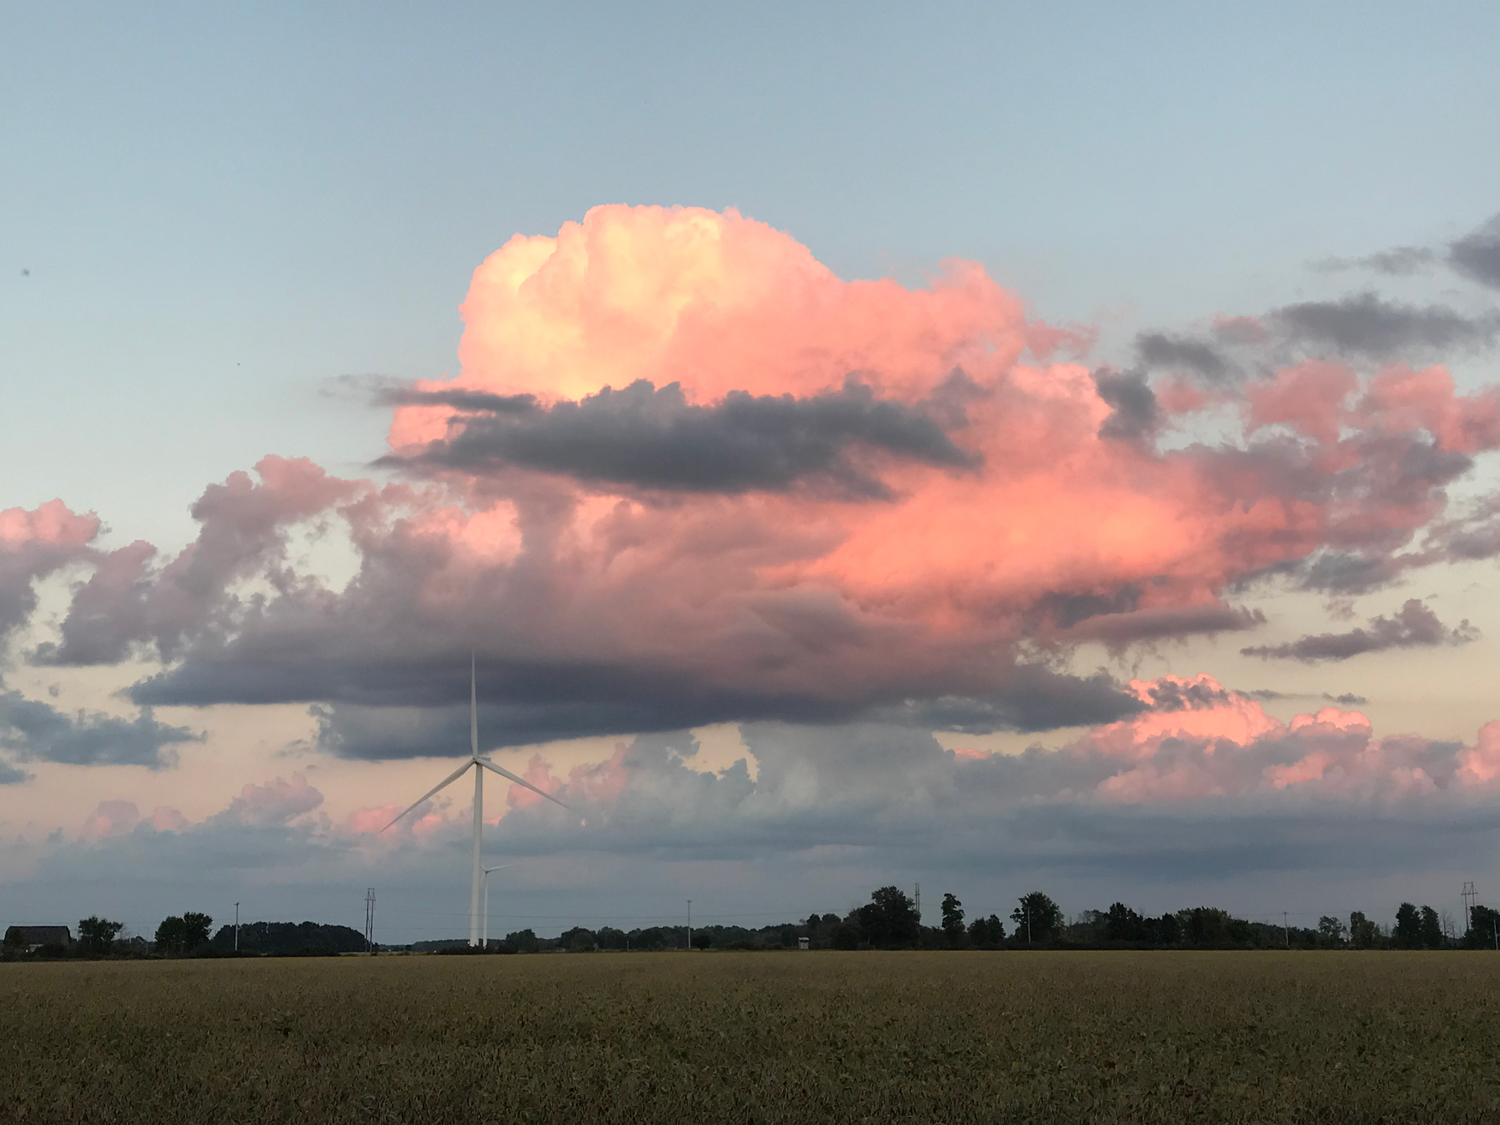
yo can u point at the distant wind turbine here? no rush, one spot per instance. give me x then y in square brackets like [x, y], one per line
[478, 765]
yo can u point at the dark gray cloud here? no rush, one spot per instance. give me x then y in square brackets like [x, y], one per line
[653, 438]
[1162, 351]
[1346, 699]
[34, 731]
[1477, 255]
[1118, 631]
[1367, 325]
[1035, 699]
[1413, 626]
[1399, 261]
[477, 401]
[1135, 415]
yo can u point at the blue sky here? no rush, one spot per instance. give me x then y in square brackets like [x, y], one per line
[221, 209]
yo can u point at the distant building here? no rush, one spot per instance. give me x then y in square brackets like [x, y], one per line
[804, 943]
[32, 938]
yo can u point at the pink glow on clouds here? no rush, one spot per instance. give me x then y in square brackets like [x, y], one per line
[116, 818]
[111, 818]
[276, 802]
[1308, 397]
[1481, 763]
[719, 303]
[1230, 718]
[371, 820]
[167, 819]
[539, 774]
[51, 524]
[1227, 745]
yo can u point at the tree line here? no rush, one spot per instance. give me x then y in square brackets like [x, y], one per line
[890, 920]
[188, 935]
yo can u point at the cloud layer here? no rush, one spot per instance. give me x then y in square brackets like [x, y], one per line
[1413, 626]
[689, 476]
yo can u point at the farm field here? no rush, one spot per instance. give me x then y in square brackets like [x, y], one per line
[756, 1037]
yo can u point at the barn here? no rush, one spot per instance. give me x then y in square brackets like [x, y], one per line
[32, 938]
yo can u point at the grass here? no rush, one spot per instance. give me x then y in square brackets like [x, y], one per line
[728, 1037]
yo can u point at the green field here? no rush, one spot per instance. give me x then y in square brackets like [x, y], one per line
[756, 1037]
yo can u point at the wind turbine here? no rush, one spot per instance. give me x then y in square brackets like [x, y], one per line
[484, 937]
[478, 765]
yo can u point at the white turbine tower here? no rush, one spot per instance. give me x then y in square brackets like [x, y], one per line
[478, 765]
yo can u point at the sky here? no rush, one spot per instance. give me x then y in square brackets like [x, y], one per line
[993, 446]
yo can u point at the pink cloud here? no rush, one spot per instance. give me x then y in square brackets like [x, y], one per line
[1480, 763]
[111, 818]
[276, 802]
[1048, 525]
[167, 819]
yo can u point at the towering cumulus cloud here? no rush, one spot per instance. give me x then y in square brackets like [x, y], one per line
[688, 475]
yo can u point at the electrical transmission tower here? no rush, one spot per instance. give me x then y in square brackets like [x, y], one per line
[919, 904]
[370, 920]
[1469, 896]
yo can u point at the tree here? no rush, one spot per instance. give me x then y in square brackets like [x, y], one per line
[987, 933]
[1205, 925]
[183, 934]
[169, 935]
[196, 928]
[1408, 934]
[953, 919]
[845, 937]
[1037, 918]
[522, 941]
[1331, 930]
[889, 918]
[96, 935]
[609, 937]
[1432, 929]
[702, 939]
[1484, 928]
[1123, 924]
[1362, 931]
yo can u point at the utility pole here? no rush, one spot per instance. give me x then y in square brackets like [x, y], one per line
[236, 927]
[690, 925]
[919, 904]
[1286, 929]
[370, 920]
[1469, 896]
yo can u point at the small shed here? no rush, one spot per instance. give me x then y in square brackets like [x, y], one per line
[804, 943]
[32, 938]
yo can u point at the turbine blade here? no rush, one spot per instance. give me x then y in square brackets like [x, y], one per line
[473, 710]
[489, 765]
[434, 791]
[502, 867]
